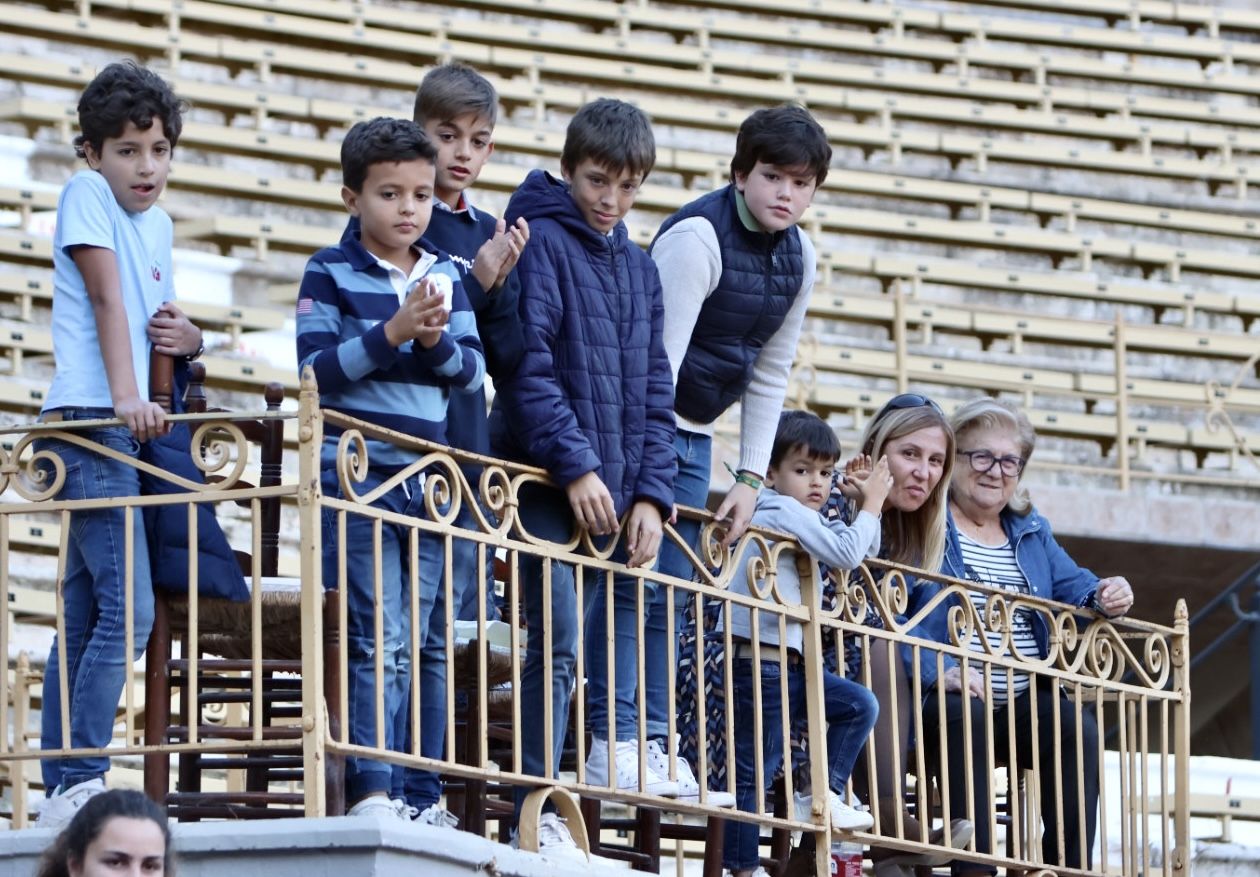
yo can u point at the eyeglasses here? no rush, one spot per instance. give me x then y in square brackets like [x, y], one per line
[982, 461]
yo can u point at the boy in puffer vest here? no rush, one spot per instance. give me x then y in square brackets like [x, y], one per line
[736, 274]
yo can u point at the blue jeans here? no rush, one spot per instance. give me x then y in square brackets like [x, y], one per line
[419, 787]
[465, 575]
[691, 487]
[625, 649]
[95, 600]
[545, 514]
[363, 775]
[850, 711]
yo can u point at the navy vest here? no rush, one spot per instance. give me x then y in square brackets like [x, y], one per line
[761, 276]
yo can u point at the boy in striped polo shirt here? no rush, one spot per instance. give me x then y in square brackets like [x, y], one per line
[383, 320]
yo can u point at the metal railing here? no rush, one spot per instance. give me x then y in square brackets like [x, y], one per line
[269, 685]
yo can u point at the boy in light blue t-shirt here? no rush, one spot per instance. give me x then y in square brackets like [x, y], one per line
[111, 306]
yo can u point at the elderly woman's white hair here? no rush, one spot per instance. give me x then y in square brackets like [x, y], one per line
[987, 413]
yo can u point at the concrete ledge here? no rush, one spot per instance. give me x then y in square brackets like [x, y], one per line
[1215, 521]
[332, 847]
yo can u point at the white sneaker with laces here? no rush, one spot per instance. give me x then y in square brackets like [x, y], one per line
[847, 818]
[405, 810]
[626, 760]
[57, 811]
[554, 840]
[435, 814]
[382, 808]
[688, 785]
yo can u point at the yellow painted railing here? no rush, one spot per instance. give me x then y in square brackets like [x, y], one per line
[266, 682]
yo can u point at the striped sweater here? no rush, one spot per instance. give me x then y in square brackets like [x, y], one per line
[343, 304]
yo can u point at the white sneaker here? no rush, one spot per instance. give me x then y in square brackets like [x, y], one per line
[382, 808]
[57, 811]
[554, 840]
[627, 767]
[688, 785]
[846, 818]
[436, 814]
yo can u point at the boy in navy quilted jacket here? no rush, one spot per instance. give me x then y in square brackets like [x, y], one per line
[592, 403]
[383, 321]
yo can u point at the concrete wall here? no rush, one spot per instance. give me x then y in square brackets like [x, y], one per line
[334, 847]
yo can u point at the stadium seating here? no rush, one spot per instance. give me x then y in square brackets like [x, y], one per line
[960, 135]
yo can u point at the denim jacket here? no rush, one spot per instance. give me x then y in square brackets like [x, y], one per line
[1050, 572]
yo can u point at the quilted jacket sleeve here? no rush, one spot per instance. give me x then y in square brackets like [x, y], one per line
[538, 411]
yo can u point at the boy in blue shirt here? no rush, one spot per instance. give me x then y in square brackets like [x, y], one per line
[112, 304]
[592, 403]
[372, 323]
[458, 107]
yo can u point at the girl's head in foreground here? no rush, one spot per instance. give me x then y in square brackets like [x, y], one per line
[119, 832]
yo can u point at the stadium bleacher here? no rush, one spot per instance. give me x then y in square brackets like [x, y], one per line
[1023, 178]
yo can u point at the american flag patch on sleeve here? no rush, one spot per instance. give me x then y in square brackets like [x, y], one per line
[305, 306]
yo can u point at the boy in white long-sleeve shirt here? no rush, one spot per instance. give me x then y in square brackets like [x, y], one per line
[798, 482]
[736, 276]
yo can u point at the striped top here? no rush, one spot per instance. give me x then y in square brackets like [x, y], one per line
[344, 301]
[996, 567]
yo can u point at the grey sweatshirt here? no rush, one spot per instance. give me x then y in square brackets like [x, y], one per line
[841, 546]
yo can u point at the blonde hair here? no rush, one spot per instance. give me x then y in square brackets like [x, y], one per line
[914, 538]
[987, 413]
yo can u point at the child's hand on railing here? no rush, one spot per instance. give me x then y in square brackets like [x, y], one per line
[736, 511]
[145, 419]
[643, 534]
[592, 504]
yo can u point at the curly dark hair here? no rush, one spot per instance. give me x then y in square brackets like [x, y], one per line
[381, 139]
[72, 844]
[126, 92]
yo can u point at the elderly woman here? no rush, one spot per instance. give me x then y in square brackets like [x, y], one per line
[995, 537]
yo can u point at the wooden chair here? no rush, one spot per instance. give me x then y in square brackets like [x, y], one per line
[225, 681]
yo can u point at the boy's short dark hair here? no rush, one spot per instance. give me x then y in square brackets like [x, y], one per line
[453, 89]
[126, 92]
[786, 136]
[805, 431]
[381, 139]
[611, 133]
